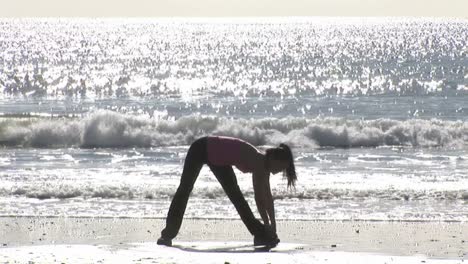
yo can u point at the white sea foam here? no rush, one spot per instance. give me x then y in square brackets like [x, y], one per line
[214, 192]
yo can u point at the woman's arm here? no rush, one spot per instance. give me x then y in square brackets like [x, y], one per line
[269, 204]
[264, 199]
[259, 194]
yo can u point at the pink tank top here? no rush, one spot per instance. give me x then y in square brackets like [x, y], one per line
[225, 151]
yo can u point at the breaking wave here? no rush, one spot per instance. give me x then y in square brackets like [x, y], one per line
[107, 129]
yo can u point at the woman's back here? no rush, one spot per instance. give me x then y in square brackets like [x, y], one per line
[227, 151]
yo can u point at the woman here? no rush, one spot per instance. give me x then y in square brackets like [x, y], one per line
[220, 154]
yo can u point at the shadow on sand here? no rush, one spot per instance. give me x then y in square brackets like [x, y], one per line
[247, 248]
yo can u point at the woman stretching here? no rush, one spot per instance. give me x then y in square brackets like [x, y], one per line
[220, 154]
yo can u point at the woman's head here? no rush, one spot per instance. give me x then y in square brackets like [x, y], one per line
[281, 159]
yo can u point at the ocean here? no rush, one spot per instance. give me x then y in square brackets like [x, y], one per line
[96, 115]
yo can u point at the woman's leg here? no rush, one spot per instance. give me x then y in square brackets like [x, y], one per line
[196, 157]
[227, 178]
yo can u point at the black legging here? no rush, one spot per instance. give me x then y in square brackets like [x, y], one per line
[196, 158]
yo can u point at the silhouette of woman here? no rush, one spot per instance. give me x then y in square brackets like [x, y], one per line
[220, 154]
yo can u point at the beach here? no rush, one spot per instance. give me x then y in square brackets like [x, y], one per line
[38, 239]
[97, 116]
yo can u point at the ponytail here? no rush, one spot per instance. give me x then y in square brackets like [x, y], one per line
[290, 172]
[283, 152]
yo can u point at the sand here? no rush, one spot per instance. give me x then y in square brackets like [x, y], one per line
[131, 240]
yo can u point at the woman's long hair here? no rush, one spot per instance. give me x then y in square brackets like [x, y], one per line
[283, 152]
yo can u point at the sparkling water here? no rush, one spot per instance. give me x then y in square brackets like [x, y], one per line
[96, 115]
